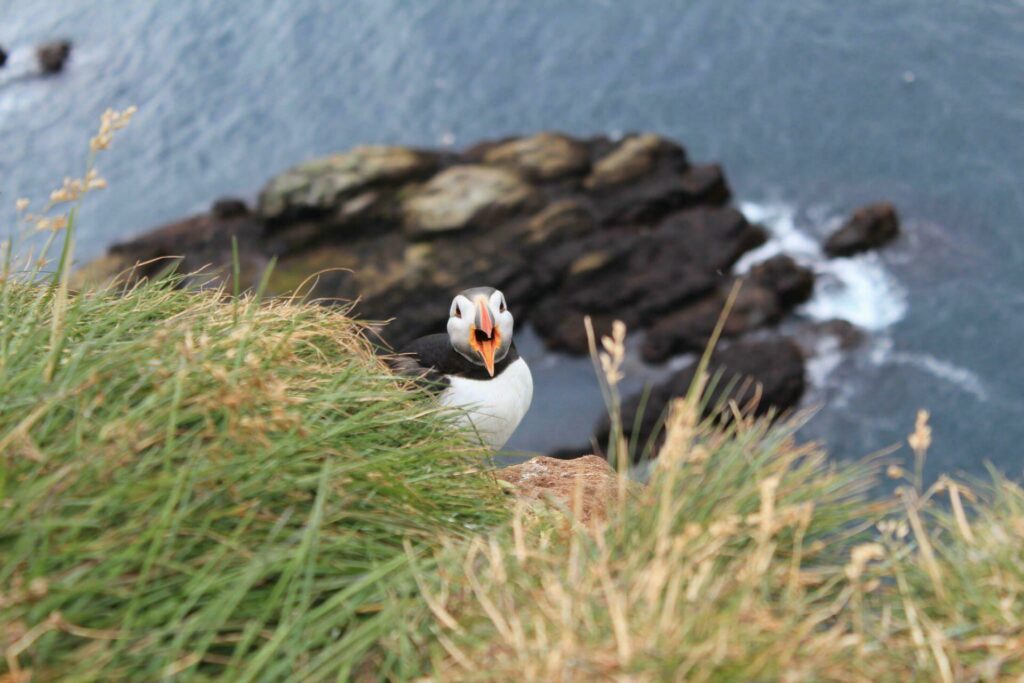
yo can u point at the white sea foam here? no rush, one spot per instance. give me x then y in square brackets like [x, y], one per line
[966, 380]
[858, 289]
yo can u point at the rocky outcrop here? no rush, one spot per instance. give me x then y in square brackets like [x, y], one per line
[625, 229]
[758, 376]
[566, 227]
[338, 187]
[543, 479]
[53, 55]
[869, 227]
[772, 288]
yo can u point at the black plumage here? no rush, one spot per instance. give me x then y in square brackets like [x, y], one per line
[434, 359]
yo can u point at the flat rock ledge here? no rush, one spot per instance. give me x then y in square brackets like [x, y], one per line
[544, 479]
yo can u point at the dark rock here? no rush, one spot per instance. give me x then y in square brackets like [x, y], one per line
[201, 245]
[563, 329]
[690, 329]
[835, 334]
[759, 376]
[638, 276]
[3, 56]
[774, 286]
[633, 158]
[653, 197]
[869, 227]
[229, 207]
[792, 283]
[642, 238]
[53, 55]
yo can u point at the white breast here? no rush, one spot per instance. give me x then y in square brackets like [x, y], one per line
[495, 406]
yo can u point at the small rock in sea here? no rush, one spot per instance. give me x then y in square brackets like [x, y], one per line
[869, 227]
[53, 55]
[3, 56]
[791, 282]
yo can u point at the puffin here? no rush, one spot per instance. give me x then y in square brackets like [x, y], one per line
[475, 366]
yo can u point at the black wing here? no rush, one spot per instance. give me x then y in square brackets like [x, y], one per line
[424, 359]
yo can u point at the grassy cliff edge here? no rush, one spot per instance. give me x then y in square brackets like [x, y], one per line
[209, 488]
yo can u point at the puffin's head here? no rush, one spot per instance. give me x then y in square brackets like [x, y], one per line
[480, 326]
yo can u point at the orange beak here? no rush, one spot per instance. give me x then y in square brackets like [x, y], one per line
[484, 336]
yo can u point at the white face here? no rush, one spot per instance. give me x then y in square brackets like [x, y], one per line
[480, 326]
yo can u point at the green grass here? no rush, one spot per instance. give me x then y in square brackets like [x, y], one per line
[213, 488]
[195, 486]
[745, 558]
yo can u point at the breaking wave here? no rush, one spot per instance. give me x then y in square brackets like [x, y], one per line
[858, 289]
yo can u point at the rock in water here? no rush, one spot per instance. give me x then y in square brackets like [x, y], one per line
[567, 227]
[53, 55]
[869, 227]
[768, 372]
[792, 283]
[690, 328]
[3, 56]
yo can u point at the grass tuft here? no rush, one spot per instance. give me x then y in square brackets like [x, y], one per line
[212, 488]
[745, 557]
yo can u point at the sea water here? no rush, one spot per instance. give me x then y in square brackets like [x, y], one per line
[813, 107]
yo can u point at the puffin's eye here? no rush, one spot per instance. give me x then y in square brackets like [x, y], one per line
[501, 308]
[456, 312]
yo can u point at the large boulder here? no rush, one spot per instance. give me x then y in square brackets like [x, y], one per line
[792, 283]
[639, 276]
[635, 157]
[617, 230]
[868, 228]
[690, 328]
[652, 197]
[463, 197]
[544, 156]
[759, 376]
[559, 221]
[323, 186]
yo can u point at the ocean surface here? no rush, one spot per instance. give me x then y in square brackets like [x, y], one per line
[813, 107]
